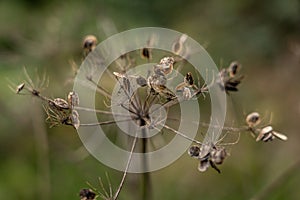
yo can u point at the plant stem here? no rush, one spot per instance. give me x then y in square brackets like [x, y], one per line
[146, 186]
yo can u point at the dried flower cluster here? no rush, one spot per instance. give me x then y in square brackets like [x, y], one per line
[64, 112]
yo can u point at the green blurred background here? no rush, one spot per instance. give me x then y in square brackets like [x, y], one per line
[37, 162]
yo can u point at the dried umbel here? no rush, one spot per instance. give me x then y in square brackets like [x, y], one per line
[87, 194]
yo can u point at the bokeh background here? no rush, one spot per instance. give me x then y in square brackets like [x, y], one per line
[37, 162]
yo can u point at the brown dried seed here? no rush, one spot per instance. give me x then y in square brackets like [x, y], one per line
[264, 133]
[87, 194]
[280, 135]
[20, 88]
[188, 79]
[89, 43]
[165, 65]
[194, 151]
[203, 165]
[146, 53]
[218, 155]
[59, 103]
[186, 93]
[75, 119]
[253, 119]
[233, 68]
[141, 81]
[73, 99]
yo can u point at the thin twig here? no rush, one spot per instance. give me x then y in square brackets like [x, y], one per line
[127, 167]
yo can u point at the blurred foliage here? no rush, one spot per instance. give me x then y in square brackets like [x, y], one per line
[263, 35]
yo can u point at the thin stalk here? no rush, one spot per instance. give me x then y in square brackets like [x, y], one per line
[146, 187]
[127, 167]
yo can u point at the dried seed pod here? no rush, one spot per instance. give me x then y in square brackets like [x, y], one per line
[73, 99]
[280, 135]
[233, 68]
[227, 78]
[89, 44]
[194, 151]
[165, 66]
[188, 79]
[74, 117]
[186, 93]
[59, 104]
[177, 46]
[265, 134]
[20, 88]
[203, 165]
[268, 134]
[253, 119]
[146, 53]
[141, 81]
[87, 194]
[218, 155]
